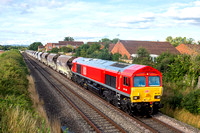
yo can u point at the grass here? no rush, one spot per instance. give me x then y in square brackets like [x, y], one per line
[38, 105]
[19, 120]
[182, 115]
[21, 110]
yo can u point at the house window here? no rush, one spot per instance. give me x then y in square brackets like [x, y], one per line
[126, 81]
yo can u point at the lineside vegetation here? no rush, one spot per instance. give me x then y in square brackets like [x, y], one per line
[16, 108]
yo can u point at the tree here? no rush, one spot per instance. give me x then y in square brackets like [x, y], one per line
[142, 52]
[143, 57]
[69, 39]
[78, 52]
[65, 49]
[34, 46]
[83, 53]
[190, 41]
[178, 40]
[104, 54]
[125, 56]
[105, 40]
[70, 46]
[54, 50]
[93, 48]
[115, 40]
[116, 56]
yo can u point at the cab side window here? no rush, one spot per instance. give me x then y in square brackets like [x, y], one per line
[126, 81]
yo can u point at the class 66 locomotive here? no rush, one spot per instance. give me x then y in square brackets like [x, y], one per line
[136, 89]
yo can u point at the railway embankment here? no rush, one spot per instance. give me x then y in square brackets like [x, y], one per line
[18, 112]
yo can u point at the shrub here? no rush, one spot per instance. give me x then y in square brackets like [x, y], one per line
[191, 102]
[175, 101]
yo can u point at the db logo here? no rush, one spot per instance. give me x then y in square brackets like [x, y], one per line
[84, 71]
[146, 91]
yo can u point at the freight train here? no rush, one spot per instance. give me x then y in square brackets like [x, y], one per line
[136, 89]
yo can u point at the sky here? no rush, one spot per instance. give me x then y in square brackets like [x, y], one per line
[26, 21]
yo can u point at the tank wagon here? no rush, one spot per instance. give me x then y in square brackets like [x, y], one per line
[136, 89]
[44, 58]
[36, 54]
[39, 56]
[64, 64]
[51, 60]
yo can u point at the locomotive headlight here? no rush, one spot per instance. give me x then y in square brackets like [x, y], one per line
[136, 97]
[157, 97]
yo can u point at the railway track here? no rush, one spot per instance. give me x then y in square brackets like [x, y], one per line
[94, 117]
[152, 124]
[157, 125]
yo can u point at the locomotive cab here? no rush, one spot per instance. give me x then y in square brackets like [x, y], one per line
[146, 88]
[144, 84]
[146, 93]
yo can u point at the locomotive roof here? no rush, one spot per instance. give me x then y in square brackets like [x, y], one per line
[104, 64]
[124, 68]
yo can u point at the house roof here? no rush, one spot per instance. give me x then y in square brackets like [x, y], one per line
[188, 49]
[90, 43]
[195, 47]
[111, 46]
[78, 43]
[152, 47]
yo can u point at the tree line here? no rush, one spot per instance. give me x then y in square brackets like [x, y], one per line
[179, 40]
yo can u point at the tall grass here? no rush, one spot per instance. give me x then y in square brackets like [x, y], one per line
[21, 111]
[20, 121]
[183, 115]
[38, 105]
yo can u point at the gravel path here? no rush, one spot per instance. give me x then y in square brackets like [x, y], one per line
[175, 123]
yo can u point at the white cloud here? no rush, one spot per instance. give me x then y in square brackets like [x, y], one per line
[52, 20]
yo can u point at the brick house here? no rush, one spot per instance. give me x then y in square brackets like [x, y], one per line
[49, 46]
[60, 44]
[41, 48]
[190, 49]
[130, 47]
[74, 44]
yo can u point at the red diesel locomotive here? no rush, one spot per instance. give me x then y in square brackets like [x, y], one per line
[136, 89]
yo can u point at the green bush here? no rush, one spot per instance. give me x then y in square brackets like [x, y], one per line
[175, 101]
[191, 102]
